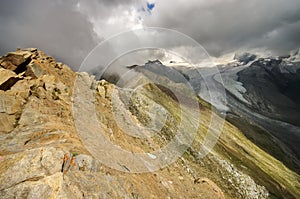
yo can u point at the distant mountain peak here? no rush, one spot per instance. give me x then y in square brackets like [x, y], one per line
[245, 58]
[154, 62]
[294, 55]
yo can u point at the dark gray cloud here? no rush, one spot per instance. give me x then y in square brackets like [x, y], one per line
[227, 25]
[55, 27]
[69, 29]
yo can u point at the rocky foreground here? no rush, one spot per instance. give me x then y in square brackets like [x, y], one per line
[43, 156]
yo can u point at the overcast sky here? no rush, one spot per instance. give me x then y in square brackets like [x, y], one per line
[70, 29]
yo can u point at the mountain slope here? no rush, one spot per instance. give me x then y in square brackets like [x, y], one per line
[262, 100]
[43, 155]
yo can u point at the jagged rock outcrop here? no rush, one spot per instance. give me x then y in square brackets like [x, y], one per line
[43, 156]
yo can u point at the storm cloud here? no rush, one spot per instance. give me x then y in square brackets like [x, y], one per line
[228, 25]
[55, 27]
[70, 29]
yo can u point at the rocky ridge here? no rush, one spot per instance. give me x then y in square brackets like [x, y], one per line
[42, 155]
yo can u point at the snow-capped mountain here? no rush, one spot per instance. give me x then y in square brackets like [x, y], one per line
[262, 92]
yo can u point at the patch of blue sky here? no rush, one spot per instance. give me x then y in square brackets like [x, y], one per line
[150, 6]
